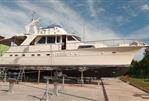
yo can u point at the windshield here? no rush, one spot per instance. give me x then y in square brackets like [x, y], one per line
[78, 38]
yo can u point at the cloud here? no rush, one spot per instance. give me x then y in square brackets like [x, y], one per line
[51, 12]
[91, 8]
[145, 7]
[131, 11]
[140, 33]
[11, 21]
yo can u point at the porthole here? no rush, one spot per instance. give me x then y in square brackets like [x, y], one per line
[38, 54]
[10, 55]
[48, 54]
[23, 54]
[33, 54]
[16, 54]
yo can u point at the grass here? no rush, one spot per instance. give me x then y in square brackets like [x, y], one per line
[138, 82]
[3, 49]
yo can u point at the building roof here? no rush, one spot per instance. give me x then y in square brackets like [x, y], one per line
[16, 39]
[1, 37]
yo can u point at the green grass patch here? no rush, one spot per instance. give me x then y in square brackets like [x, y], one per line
[138, 82]
[3, 49]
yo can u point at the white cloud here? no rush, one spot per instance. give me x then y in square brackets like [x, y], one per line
[140, 33]
[91, 8]
[11, 21]
[130, 10]
[120, 19]
[51, 12]
[145, 7]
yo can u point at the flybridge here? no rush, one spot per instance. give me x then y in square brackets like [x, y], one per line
[52, 26]
[32, 28]
[52, 30]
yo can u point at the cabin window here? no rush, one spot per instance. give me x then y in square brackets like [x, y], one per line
[70, 38]
[58, 39]
[10, 55]
[42, 40]
[50, 39]
[78, 38]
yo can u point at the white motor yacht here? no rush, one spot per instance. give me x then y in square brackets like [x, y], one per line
[53, 47]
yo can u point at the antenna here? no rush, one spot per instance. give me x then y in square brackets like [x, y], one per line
[33, 14]
[84, 32]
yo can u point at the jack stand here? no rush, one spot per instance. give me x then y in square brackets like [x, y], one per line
[82, 75]
[55, 90]
[82, 78]
[98, 82]
[46, 94]
[5, 76]
[63, 81]
[11, 84]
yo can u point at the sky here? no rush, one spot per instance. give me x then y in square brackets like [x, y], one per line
[99, 19]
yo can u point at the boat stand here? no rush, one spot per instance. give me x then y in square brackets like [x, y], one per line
[11, 81]
[55, 90]
[46, 96]
[5, 75]
[82, 69]
[63, 82]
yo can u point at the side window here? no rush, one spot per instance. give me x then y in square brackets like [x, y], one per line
[50, 39]
[70, 38]
[42, 40]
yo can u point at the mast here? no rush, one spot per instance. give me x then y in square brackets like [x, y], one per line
[33, 14]
[84, 32]
[31, 28]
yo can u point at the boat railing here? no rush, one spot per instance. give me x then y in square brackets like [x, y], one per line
[75, 45]
[111, 43]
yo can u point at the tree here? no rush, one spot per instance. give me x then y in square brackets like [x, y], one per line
[145, 64]
[140, 68]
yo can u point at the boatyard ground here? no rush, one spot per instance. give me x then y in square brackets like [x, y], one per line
[116, 90]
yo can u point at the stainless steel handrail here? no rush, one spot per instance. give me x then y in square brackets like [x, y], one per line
[103, 43]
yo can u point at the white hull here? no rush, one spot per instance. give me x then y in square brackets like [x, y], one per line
[108, 56]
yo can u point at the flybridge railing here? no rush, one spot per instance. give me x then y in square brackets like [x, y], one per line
[115, 42]
[111, 43]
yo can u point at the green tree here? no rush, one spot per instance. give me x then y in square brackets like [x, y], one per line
[3, 49]
[145, 64]
[140, 68]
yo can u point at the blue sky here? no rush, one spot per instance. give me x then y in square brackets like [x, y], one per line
[102, 19]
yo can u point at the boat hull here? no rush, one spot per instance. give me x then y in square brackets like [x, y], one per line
[94, 57]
